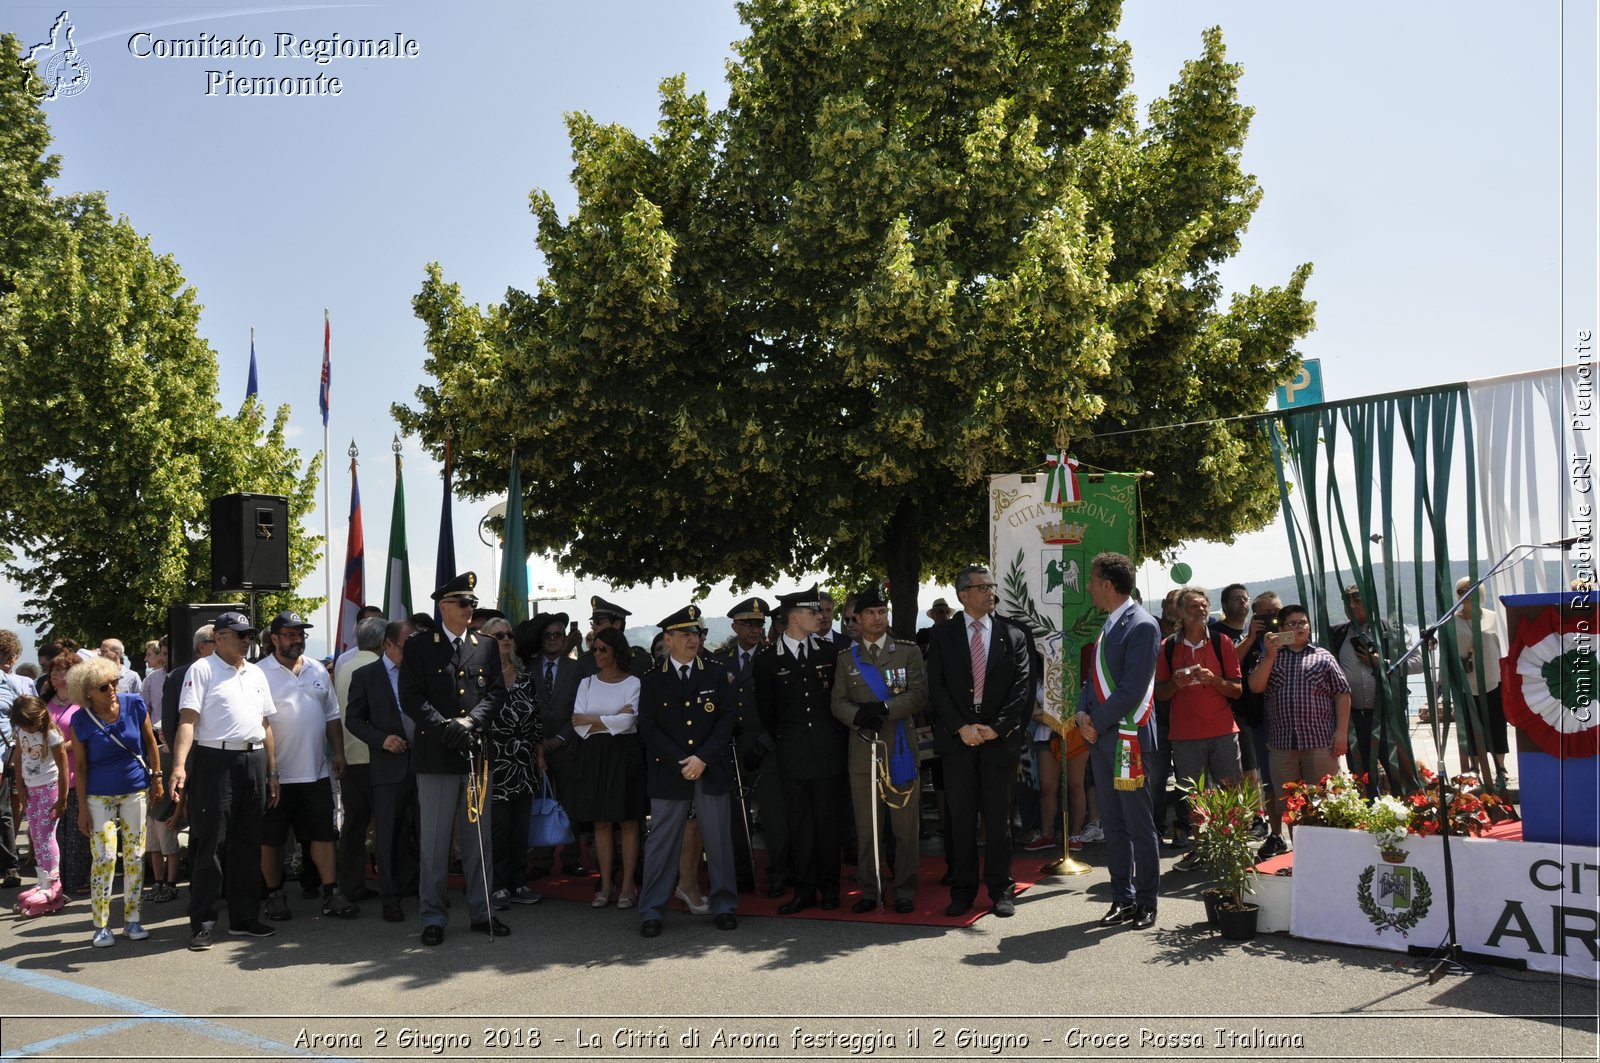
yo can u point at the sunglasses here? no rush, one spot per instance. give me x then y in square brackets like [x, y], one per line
[106, 688]
[501, 636]
[470, 603]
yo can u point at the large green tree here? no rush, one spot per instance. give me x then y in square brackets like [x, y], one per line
[113, 439]
[925, 241]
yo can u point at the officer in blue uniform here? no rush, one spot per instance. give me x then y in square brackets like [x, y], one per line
[794, 686]
[452, 686]
[687, 710]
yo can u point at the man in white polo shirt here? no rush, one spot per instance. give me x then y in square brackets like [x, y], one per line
[307, 717]
[225, 716]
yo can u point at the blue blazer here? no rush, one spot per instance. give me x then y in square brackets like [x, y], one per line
[1130, 650]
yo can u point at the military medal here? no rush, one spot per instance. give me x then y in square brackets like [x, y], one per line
[897, 679]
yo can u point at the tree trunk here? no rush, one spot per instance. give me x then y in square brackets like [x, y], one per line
[903, 545]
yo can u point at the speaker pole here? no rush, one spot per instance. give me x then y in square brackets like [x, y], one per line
[327, 476]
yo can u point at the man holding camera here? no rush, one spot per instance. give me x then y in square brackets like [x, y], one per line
[1365, 665]
[1308, 706]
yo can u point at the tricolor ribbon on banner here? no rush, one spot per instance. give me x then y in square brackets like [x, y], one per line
[1127, 763]
[1061, 483]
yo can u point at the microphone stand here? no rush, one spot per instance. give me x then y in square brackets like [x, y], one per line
[1448, 956]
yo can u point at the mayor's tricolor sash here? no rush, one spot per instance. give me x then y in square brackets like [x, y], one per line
[1127, 764]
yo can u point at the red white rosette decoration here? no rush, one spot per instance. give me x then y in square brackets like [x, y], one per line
[1547, 682]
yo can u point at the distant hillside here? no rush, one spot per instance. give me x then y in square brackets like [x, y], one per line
[1405, 585]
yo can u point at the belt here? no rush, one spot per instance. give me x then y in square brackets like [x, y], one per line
[243, 746]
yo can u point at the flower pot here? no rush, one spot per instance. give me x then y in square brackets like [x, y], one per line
[1212, 897]
[1237, 924]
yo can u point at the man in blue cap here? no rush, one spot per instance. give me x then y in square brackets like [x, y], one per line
[687, 709]
[451, 686]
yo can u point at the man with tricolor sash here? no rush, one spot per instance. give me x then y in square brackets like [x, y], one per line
[1116, 716]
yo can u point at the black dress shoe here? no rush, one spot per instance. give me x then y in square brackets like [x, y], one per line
[494, 928]
[775, 891]
[863, 906]
[905, 907]
[1004, 906]
[725, 921]
[1144, 918]
[393, 913]
[432, 934]
[650, 928]
[828, 904]
[955, 908]
[797, 904]
[1121, 912]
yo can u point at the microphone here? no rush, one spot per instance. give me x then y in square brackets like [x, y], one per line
[1563, 543]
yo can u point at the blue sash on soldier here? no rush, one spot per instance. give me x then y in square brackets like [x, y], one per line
[903, 757]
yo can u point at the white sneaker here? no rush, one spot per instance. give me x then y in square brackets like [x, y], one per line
[1092, 832]
[103, 938]
[135, 932]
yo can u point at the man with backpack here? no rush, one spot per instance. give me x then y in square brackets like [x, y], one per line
[1198, 670]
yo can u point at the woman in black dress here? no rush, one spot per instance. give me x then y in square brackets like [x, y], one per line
[611, 775]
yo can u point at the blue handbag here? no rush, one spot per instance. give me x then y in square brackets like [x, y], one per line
[548, 823]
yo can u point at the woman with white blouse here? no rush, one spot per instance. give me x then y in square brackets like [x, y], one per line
[610, 785]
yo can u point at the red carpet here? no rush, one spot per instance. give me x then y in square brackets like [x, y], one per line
[931, 897]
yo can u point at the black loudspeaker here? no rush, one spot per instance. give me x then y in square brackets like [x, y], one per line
[182, 620]
[250, 543]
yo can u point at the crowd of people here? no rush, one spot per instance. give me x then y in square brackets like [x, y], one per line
[430, 747]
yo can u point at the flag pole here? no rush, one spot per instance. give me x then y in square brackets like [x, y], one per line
[327, 498]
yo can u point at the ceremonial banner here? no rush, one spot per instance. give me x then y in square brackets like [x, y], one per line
[1040, 553]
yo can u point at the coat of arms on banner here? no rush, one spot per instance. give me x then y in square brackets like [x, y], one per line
[1394, 896]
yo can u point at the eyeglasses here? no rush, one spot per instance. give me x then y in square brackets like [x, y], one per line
[106, 688]
[470, 603]
[979, 587]
[1297, 623]
[501, 636]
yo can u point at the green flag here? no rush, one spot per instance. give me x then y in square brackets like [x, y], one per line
[397, 574]
[514, 553]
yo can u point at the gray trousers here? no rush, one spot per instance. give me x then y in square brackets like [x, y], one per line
[442, 804]
[664, 845]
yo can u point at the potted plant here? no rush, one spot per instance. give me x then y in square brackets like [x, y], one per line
[1221, 816]
[1389, 822]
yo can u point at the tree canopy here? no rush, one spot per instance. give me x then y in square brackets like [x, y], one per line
[925, 241]
[113, 438]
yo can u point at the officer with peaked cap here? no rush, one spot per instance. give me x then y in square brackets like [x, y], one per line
[759, 769]
[880, 683]
[687, 711]
[604, 614]
[793, 688]
[451, 686]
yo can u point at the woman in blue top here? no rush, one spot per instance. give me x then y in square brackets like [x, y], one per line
[111, 779]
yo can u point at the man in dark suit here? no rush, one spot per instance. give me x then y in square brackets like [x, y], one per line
[555, 686]
[1116, 716]
[980, 690]
[752, 745]
[373, 715]
[451, 686]
[687, 710]
[794, 689]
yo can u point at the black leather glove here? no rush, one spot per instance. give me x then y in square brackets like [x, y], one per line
[754, 757]
[871, 716]
[455, 737]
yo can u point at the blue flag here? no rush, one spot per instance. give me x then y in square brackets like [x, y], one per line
[252, 386]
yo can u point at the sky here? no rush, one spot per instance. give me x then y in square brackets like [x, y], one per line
[1422, 156]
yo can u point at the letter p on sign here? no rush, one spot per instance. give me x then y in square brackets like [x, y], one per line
[1305, 389]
